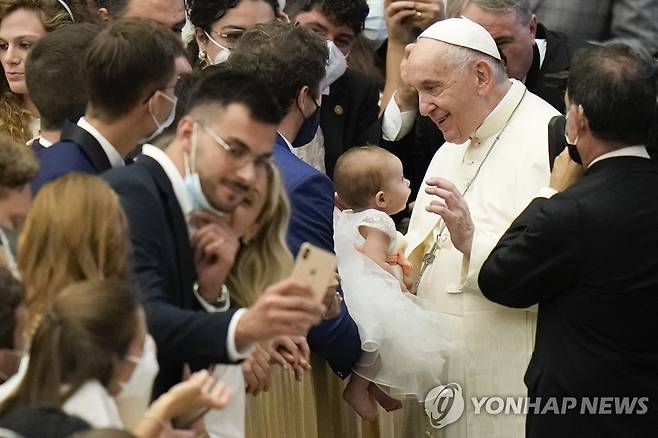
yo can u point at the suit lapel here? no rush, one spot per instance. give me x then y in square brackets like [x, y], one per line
[177, 224]
[90, 147]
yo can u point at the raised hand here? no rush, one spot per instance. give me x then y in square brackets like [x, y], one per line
[215, 247]
[452, 207]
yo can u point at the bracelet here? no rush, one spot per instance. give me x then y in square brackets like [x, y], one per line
[223, 301]
[163, 424]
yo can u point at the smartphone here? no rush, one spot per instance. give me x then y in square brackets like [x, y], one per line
[316, 267]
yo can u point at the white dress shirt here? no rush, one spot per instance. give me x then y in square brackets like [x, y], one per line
[185, 203]
[396, 124]
[116, 160]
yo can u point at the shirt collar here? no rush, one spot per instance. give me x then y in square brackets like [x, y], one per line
[542, 46]
[115, 158]
[286, 140]
[176, 179]
[43, 142]
[497, 118]
[629, 151]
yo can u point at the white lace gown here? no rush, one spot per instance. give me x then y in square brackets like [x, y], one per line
[404, 346]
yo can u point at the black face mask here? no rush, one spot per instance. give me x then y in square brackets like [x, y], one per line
[309, 127]
[557, 142]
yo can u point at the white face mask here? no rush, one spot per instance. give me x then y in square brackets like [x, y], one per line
[159, 127]
[375, 30]
[192, 182]
[135, 394]
[223, 54]
[336, 66]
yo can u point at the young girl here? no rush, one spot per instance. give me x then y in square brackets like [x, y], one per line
[403, 344]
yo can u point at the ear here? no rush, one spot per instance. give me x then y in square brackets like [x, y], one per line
[484, 76]
[184, 132]
[581, 118]
[300, 99]
[104, 16]
[282, 17]
[200, 37]
[380, 199]
[533, 25]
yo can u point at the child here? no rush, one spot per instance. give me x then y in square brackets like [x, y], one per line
[403, 344]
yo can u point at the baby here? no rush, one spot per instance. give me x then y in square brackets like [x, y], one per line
[402, 343]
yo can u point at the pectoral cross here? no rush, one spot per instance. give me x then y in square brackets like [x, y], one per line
[428, 258]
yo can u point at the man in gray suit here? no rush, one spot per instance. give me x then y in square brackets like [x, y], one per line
[631, 22]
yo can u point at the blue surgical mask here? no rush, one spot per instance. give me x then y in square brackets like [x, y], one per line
[309, 127]
[192, 182]
[375, 30]
[223, 54]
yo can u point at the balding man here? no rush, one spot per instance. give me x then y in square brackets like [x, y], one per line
[494, 161]
[169, 13]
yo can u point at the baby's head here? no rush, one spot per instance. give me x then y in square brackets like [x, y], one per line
[371, 177]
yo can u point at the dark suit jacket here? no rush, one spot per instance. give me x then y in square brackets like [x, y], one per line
[164, 269]
[78, 151]
[589, 257]
[311, 195]
[417, 148]
[349, 116]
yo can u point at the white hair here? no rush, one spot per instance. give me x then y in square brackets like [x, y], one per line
[461, 57]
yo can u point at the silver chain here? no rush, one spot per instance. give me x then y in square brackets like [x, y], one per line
[429, 257]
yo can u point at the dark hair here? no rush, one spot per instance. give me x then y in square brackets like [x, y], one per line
[203, 13]
[286, 57]
[43, 422]
[617, 90]
[221, 85]
[127, 62]
[351, 13]
[54, 74]
[12, 295]
[83, 336]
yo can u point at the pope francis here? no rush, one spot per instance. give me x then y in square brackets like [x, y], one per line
[494, 162]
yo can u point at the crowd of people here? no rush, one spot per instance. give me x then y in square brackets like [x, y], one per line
[483, 170]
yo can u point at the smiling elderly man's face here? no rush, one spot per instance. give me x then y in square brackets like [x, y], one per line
[447, 91]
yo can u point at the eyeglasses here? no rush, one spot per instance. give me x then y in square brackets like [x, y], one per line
[240, 154]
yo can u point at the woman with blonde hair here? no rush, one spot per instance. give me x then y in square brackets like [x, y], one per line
[260, 223]
[22, 24]
[75, 231]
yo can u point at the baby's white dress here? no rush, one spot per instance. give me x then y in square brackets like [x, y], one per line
[404, 346]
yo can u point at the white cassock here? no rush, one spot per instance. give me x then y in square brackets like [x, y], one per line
[497, 341]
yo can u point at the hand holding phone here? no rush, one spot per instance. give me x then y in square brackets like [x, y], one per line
[316, 267]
